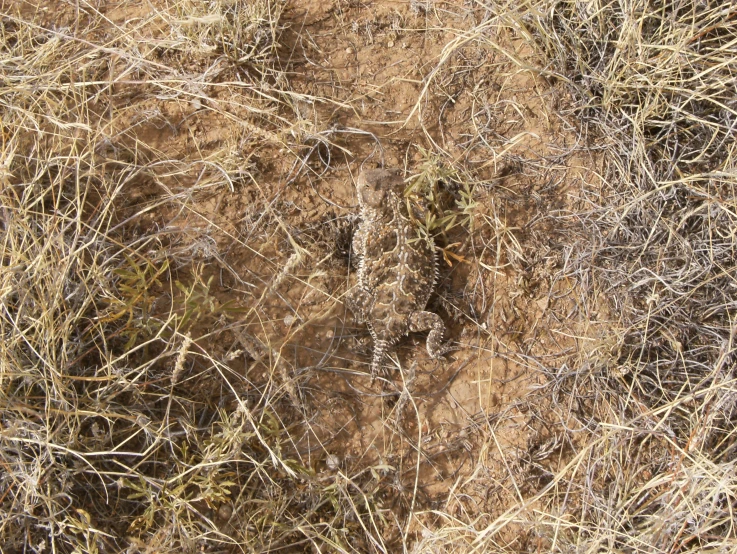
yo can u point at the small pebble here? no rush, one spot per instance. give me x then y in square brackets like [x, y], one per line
[349, 50]
[390, 44]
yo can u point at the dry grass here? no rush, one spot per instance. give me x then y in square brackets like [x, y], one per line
[100, 441]
[127, 425]
[656, 401]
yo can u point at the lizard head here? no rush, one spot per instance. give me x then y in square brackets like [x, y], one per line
[374, 184]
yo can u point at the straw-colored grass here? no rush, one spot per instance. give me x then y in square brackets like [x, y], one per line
[139, 413]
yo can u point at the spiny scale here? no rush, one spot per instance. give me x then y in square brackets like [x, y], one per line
[397, 271]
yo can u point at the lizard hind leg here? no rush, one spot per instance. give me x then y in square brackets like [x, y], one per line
[429, 321]
[358, 301]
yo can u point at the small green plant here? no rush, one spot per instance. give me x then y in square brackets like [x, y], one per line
[199, 302]
[426, 202]
[136, 281]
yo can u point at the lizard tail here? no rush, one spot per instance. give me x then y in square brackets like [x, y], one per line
[380, 349]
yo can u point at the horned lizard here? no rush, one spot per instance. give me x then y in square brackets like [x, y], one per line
[397, 269]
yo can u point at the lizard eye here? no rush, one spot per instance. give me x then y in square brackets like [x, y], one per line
[371, 192]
